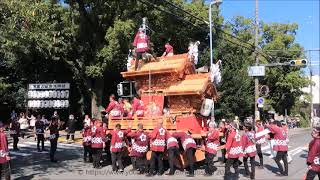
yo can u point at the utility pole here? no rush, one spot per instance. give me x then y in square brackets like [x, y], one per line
[256, 80]
[285, 115]
[312, 113]
[216, 3]
[210, 24]
[311, 87]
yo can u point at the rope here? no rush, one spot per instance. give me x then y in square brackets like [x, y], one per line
[149, 83]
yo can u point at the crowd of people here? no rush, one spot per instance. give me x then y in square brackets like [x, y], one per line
[23, 124]
[293, 122]
[35, 126]
[123, 107]
[237, 144]
[17, 131]
[96, 138]
[235, 140]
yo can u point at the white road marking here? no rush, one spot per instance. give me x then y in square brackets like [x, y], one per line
[19, 145]
[297, 152]
[33, 145]
[60, 145]
[296, 149]
[290, 153]
[42, 152]
[263, 149]
[19, 154]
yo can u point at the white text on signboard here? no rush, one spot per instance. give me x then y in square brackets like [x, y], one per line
[49, 86]
[256, 70]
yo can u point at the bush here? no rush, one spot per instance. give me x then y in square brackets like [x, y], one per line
[304, 120]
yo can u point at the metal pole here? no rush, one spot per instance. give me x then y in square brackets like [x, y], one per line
[311, 87]
[210, 24]
[144, 24]
[285, 115]
[318, 112]
[256, 80]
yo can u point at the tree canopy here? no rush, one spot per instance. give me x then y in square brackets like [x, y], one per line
[86, 42]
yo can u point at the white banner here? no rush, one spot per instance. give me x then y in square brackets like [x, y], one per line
[44, 86]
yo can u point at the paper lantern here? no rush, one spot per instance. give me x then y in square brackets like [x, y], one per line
[29, 103]
[58, 94]
[51, 104]
[41, 104]
[50, 94]
[63, 94]
[41, 94]
[67, 93]
[38, 103]
[46, 94]
[55, 103]
[62, 103]
[67, 103]
[33, 94]
[54, 94]
[46, 104]
[29, 95]
[58, 103]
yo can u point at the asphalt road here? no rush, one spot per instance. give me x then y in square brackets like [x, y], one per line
[30, 164]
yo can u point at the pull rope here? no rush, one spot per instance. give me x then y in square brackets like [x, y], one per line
[149, 83]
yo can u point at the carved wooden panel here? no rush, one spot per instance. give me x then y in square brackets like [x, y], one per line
[187, 103]
[158, 82]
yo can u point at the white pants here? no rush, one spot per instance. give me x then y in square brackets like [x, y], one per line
[272, 152]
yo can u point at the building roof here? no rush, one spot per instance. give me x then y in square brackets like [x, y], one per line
[172, 76]
[163, 65]
[192, 84]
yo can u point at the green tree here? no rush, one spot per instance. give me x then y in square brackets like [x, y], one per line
[86, 42]
[237, 89]
[284, 82]
[107, 29]
[35, 37]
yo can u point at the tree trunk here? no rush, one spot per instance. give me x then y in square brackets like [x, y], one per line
[96, 97]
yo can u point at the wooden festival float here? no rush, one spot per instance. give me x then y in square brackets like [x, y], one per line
[171, 83]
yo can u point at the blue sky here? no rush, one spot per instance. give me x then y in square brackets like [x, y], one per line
[303, 12]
